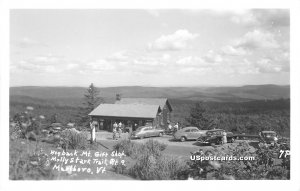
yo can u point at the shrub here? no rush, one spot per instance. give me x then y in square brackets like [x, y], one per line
[119, 168]
[277, 173]
[73, 140]
[150, 163]
[130, 148]
[153, 147]
[134, 150]
[26, 125]
[149, 167]
[261, 168]
[24, 165]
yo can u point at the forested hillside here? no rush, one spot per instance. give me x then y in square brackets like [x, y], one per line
[239, 117]
[244, 117]
[72, 95]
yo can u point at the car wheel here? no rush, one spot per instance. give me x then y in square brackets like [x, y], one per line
[160, 134]
[182, 139]
[220, 142]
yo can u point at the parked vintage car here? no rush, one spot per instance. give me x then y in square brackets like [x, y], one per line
[188, 133]
[269, 137]
[55, 128]
[147, 131]
[215, 136]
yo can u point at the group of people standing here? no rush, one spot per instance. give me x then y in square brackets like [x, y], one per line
[173, 128]
[118, 128]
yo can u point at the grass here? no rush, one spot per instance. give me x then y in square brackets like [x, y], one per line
[28, 161]
[23, 157]
[148, 162]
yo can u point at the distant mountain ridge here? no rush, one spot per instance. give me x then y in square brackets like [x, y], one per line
[221, 94]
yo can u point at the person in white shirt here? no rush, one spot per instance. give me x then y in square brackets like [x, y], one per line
[224, 137]
[115, 126]
[120, 129]
[93, 131]
[176, 126]
[170, 127]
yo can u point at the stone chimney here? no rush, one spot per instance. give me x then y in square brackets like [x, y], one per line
[118, 97]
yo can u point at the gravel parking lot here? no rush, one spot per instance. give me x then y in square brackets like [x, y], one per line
[174, 148]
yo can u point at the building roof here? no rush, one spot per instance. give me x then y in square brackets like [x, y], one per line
[126, 110]
[185, 128]
[268, 132]
[147, 101]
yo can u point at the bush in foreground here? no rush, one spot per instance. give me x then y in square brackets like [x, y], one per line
[73, 140]
[261, 168]
[130, 148]
[26, 165]
[150, 163]
[134, 150]
[149, 167]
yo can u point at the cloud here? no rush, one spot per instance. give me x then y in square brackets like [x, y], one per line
[247, 19]
[27, 65]
[213, 57]
[166, 57]
[280, 62]
[134, 62]
[45, 64]
[48, 59]
[221, 12]
[153, 12]
[246, 67]
[120, 56]
[272, 17]
[28, 43]
[152, 62]
[264, 18]
[196, 70]
[257, 39]
[268, 66]
[191, 61]
[72, 66]
[100, 65]
[234, 51]
[176, 41]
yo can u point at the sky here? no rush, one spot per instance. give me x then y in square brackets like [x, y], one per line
[166, 47]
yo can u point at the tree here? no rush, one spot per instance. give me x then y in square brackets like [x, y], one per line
[54, 118]
[197, 117]
[91, 101]
[118, 97]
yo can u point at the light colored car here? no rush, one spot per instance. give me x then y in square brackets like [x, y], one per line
[147, 131]
[269, 137]
[188, 133]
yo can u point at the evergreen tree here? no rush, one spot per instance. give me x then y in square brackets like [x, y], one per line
[54, 118]
[91, 101]
[198, 118]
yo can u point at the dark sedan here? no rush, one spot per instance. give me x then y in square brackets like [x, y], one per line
[215, 136]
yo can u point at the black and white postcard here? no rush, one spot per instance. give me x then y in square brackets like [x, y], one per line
[149, 94]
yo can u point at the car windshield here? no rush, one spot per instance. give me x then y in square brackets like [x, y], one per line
[270, 134]
[209, 133]
[140, 128]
